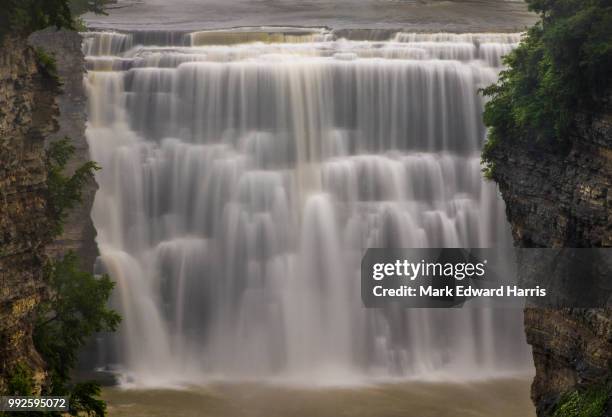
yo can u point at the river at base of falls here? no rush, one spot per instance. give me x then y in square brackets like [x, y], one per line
[499, 397]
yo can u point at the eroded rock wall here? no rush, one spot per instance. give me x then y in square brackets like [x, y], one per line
[36, 108]
[65, 46]
[561, 196]
[27, 116]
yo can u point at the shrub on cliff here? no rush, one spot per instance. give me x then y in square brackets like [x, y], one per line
[27, 16]
[75, 310]
[64, 192]
[561, 67]
[78, 7]
[586, 403]
[76, 305]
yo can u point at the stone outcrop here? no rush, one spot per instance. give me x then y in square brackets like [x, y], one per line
[65, 46]
[28, 111]
[561, 196]
[35, 108]
[571, 349]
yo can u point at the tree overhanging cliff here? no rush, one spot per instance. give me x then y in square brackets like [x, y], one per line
[561, 68]
[22, 17]
[550, 151]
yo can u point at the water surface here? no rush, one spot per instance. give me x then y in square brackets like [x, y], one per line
[499, 398]
[415, 15]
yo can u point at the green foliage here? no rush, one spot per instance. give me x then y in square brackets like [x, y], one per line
[586, 403]
[83, 400]
[561, 67]
[76, 309]
[80, 25]
[78, 7]
[64, 192]
[20, 381]
[27, 16]
[47, 63]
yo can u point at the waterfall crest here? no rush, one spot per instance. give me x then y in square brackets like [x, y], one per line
[245, 172]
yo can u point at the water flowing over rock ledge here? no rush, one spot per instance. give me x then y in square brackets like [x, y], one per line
[242, 182]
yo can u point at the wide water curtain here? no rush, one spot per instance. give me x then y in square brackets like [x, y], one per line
[244, 173]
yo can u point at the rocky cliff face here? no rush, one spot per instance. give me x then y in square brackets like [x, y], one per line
[35, 108]
[561, 196]
[65, 46]
[28, 110]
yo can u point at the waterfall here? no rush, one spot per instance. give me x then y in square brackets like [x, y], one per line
[246, 171]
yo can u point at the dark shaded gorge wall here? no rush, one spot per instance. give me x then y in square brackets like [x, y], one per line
[560, 197]
[33, 110]
[65, 46]
[28, 111]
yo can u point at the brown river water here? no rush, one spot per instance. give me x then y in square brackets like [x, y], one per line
[508, 397]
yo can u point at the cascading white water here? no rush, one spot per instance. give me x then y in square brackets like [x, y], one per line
[242, 182]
